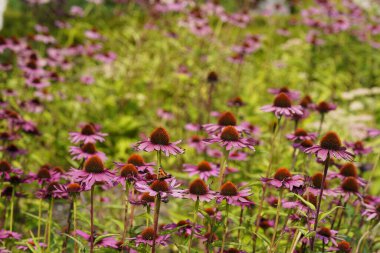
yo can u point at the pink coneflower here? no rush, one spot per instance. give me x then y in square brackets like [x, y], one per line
[327, 235]
[300, 205]
[225, 119]
[46, 175]
[13, 151]
[93, 172]
[164, 114]
[212, 212]
[148, 235]
[292, 94]
[6, 169]
[302, 146]
[197, 143]
[341, 247]
[144, 199]
[105, 242]
[347, 170]
[88, 134]
[300, 135]
[5, 234]
[349, 186]
[330, 146]
[193, 127]
[371, 210]
[204, 170]
[358, 148]
[266, 223]
[160, 141]
[230, 193]
[284, 179]
[236, 102]
[325, 107]
[127, 173]
[85, 151]
[69, 189]
[315, 185]
[230, 139]
[184, 228]
[282, 105]
[164, 188]
[238, 156]
[87, 79]
[138, 162]
[50, 191]
[373, 132]
[198, 190]
[250, 129]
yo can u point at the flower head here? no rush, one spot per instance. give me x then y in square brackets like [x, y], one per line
[327, 235]
[282, 106]
[300, 135]
[204, 169]
[284, 179]
[85, 151]
[230, 139]
[139, 163]
[359, 148]
[292, 94]
[165, 188]
[148, 235]
[233, 196]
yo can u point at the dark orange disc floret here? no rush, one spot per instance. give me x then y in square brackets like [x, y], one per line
[305, 101]
[210, 211]
[324, 231]
[284, 89]
[282, 100]
[306, 143]
[148, 234]
[317, 180]
[94, 165]
[323, 107]
[147, 198]
[204, 166]
[232, 250]
[229, 133]
[282, 173]
[73, 187]
[228, 189]
[198, 187]
[227, 119]
[5, 166]
[358, 145]
[310, 197]
[128, 170]
[159, 136]
[183, 223]
[43, 173]
[300, 132]
[89, 148]
[88, 129]
[212, 77]
[136, 160]
[236, 101]
[349, 170]
[331, 141]
[344, 247]
[350, 184]
[196, 139]
[160, 186]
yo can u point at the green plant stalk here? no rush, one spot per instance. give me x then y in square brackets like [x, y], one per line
[49, 223]
[196, 207]
[75, 221]
[39, 218]
[225, 226]
[92, 221]
[126, 203]
[276, 222]
[156, 216]
[222, 168]
[12, 210]
[321, 124]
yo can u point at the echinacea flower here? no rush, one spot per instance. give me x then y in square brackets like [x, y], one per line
[230, 139]
[315, 184]
[300, 135]
[371, 210]
[282, 106]
[237, 156]
[69, 189]
[327, 235]
[232, 195]
[46, 174]
[349, 186]
[88, 134]
[224, 120]
[93, 172]
[139, 163]
[148, 235]
[347, 170]
[128, 173]
[266, 223]
[204, 169]
[292, 94]
[300, 205]
[13, 151]
[6, 169]
[325, 107]
[341, 247]
[165, 188]
[5, 234]
[211, 212]
[144, 199]
[105, 242]
[284, 179]
[160, 141]
[197, 190]
[330, 146]
[358, 148]
[235, 102]
[183, 228]
[197, 143]
[85, 151]
[50, 191]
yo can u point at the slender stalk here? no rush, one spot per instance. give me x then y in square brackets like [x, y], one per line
[276, 222]
[294, 158]
[131, 216]
[75, 221]
[320, 200]
[196, 207]
[240, 223]
[69, 217]
[126, 204]
[341, 215]
[49, 223]
[223, 166]
[39, 218]
[148, 214]
[155, 221]
[336, 213]
[12, 209]
[225, 227]
[92, 221]
[320, 124]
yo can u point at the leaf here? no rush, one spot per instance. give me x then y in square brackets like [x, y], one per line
[325, 214]
[75, 239]
[310, 205]
[99, 238]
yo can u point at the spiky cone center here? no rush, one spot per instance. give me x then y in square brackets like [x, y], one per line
[210, 211]
[159, 136]
[348, 170]
[307, 143]
[232, 250]
[15, 180]
[12, 148]
[183, 223]
[350, 184]
[211, 237]
[52, 187]
[204, 166]
[89, 148]
[196, 139]
[73, 188]
[212, 77]
[284, 89]
[228, 189]
[344, 247]
[305, 101]
[227, 119]
[331, 141]
[264, 223]
[324, 231]
[358, 145]
[94, 165]
[148, 234]
[282, 100]
[145, 197]
[5, 166]
[310, 197]
[282, 174]
[229, 133]
[323, 107]
[198, 187]
[43, 173]
[136, 160]
[300, 132]
[129, 170]
[237, 101]
[317, 180]
[88, 130]
[160, 186]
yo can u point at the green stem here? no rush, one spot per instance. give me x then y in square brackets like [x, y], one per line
[75, 221]
[223, 166]
[92, 221]
[225, 227]
[155, 220]
[196, 207]
[49, 223]
[12, 209]
[39, 218]
[126, 203]
[276, 222]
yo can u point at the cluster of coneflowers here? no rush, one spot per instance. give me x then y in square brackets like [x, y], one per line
[308, 208]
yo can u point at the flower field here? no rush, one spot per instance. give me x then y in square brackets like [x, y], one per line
[190, 126]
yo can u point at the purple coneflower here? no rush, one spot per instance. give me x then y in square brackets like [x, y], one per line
[164, 188]
[238, 156]
[282, 106]
[350, 186]
[235, 102]
[147, 236]
[46, 175]
[197, 143]
[5, 234]
[341, 247]
[184, 228]
[105, 242]
[292, 94]
[371, 210]
[139, 163]
[128, 173]
[330, 146]
[230, 139]
[31, 243]
[6, 169]
[315, 185]
[284, 179]
[230, 193]
[198, 190]
[159, 141]
[85, 151]
[300, 135]
[224, 120]
[327, 235]
[347, 170]
[13, 151]
[358, 148]
[204, 169]
[88, 134]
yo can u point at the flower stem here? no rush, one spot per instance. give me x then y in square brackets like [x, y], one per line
[75, 221]
[49, 223]
[320, 200]
[126, 203]
[12, 209]
[223, 166]
[148, 215]
[156, 216]
[92, 221]
[320, 124]
[225, 226]
[276, 222]
[196, 207]
[39, 218]
[240, 223]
